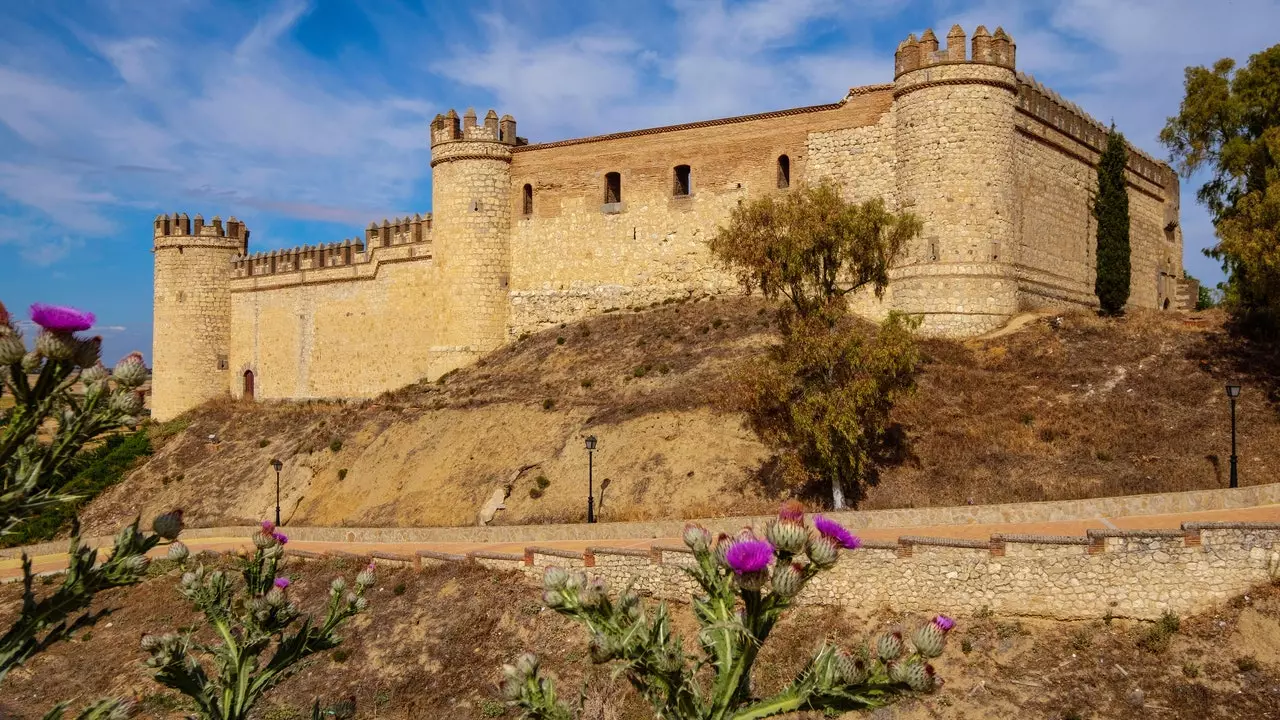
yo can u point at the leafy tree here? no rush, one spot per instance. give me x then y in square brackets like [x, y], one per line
[1111, 210]
[812, 247]
[822, 397]
[1229, 124]
[736, 616]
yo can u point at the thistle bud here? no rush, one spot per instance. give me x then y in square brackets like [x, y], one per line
[150, 642]
[920, 677]
[787, 536]
[31, 363]
[897, 671]
[168, 525]
[752, 581]
[93, 375]
[262, 541]
[823, 552]
[889, 646]
[275, 597]
[338, 586]
[928, 639]
[130, 372]
[555, 577]
[56, 345]
[527, 665]
[11, 349]
[365, 578]
[788, 579]
[723, 543]
[575, 582]
[595, 594]
[126, 402]
[552, 598]
[629, 602]
[360, 604]
[87, 352]
[602, 648]
[853, 671]
[178, 552]
[188, 579]
[697, 537]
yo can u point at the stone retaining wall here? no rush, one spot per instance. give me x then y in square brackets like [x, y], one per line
[1137, 574]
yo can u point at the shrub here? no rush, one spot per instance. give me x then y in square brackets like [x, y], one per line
[335, 445]
[542, 481]
[664, 369]
[732, 574]
[263, 443]
[1157, 637]
[535, 493]
[548, 404]
[399, 589]
[341, 655]
[585, 331]
[492, 708]
[560, 340]
[523, 336]
[587, 383]
[717, 323]
[640, 371]
[1026, 419]
[342, 474]
[1248, 663]
[1190, 669]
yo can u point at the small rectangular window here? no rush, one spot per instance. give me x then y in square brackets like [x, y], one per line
[528, 199]
[784, 172]
[612, 188]
[680, 186]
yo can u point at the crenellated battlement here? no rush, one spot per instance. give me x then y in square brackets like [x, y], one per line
[988, 49]
[1049, 107]
[350, 251]
[181, 226]
[447, 128]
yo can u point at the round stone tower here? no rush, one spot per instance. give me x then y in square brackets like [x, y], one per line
[954, 124]
[192, 332]
[471, 226]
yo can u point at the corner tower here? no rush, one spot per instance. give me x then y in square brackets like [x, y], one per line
[471, 225]
[954, 124]
[192, 332]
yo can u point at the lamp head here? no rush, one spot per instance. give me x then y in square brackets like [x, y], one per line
[591, 442]
[277, 465]
[1233, 391]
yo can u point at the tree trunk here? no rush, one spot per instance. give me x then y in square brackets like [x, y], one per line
[837, 494]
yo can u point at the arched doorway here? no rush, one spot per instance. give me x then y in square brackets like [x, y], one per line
[248, 384]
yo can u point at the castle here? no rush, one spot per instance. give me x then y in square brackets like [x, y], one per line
[525, 236]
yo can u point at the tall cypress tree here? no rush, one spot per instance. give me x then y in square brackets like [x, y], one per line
[1111, 210]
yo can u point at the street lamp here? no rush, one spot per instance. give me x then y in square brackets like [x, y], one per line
[1233, 392]
[591, 500]
[277, 465]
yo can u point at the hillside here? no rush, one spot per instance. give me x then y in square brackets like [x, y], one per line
[432, 643]
[1066, 406]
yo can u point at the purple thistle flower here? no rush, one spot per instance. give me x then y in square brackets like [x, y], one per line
[58, 318]
[268, 527]
[282, 582]
[791, 511]
[280, 537]
[749, 556]
[944, 623]
[836, 532]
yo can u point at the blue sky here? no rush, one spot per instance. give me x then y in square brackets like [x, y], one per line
[309, 119]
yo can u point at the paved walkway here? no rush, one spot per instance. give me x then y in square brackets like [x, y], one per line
[11, 569]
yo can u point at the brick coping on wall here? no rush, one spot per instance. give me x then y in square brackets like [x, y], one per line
[1029, 512]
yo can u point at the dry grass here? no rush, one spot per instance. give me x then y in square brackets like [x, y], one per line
[1069, 406]
[435, 648]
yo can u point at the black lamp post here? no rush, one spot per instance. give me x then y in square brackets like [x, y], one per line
[1233, 392]
[277, 465]
[591, 500]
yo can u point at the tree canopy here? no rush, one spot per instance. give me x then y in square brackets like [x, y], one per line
[1229, 124]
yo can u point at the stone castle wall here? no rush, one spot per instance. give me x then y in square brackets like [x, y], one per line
[522, 238]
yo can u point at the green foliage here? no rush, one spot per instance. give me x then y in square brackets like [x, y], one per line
[101, 468]
[342, 474]
[1111, 210]
[542, 481]
[822, 399]
[1229, 123]
[335, 445]
[1248, 663]
[548, 404]
[263, 442]
[249, 619]
[640, 371]
[736, 616]
[1190, 669]
[535, 493]
[399, 589]
[560, 340]
[492, 708]
[1156, 638]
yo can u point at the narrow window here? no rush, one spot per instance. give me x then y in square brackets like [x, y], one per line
[680, 186]
[784, 172]
[612, 188]
[528, 199]
[248, 384]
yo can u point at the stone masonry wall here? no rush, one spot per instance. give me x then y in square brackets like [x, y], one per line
[575, 256]
[1131, 574]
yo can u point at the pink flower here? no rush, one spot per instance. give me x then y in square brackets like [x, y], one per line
[748, 556]
[268, 527]
[792, 511]
[58, 318]
[282, 582]
[4, 315]
[280, 537]
[944, 623]
[836, 532]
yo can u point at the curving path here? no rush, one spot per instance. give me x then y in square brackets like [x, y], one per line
[11, 568]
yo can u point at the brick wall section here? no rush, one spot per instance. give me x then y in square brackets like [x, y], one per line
[999, 168]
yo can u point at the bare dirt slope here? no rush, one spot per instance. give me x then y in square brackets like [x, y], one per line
[1067, 406]
[432, 643]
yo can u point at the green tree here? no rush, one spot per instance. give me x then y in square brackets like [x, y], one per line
[1111, 210]
[822, 397]
[1229, 124]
